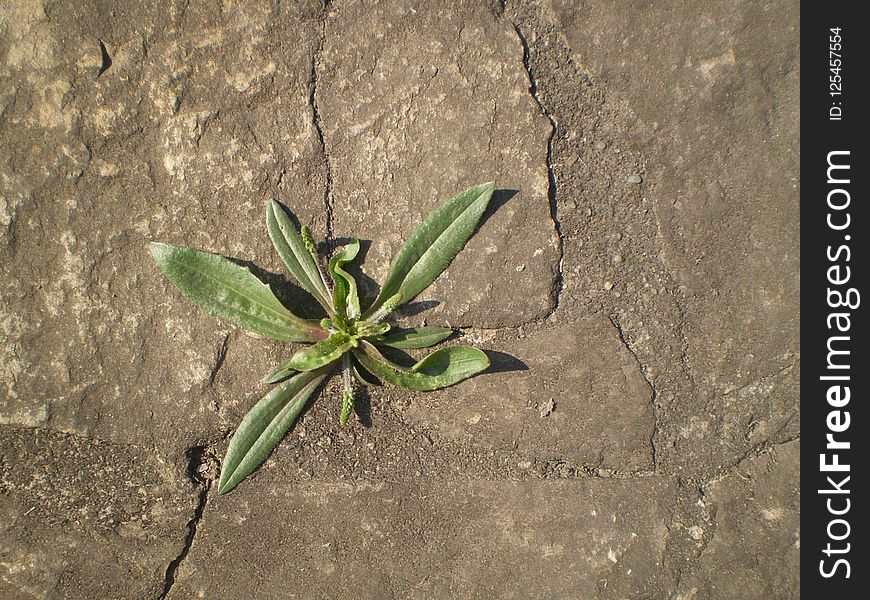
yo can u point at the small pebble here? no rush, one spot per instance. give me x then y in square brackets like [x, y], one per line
[634, 179]
[600, 145]
[608, 285]
[617, 260]
[521, 268]
[548, 407]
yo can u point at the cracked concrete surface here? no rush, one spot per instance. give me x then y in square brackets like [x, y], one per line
[635, 281]
[551, 177]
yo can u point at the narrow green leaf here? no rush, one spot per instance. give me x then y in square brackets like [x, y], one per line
[279, 373]
[322, 353]
[419, 337]
[228, 290]
[264, 427]
[440, 369]
[386, 309]
[294, 253]
[344, 296]
[434, 244]
[369, 329]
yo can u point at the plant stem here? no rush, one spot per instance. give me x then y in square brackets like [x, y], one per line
[347, 397]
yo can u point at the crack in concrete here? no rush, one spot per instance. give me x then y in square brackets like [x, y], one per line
[219, 359]
[710, 510]
[764, 378]
[668, 391]
[652, 387]
[559, 284]
[710, 523]
[756, 451]
[328, 198]
[195, 456]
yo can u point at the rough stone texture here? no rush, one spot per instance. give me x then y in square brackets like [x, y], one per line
[200, 118]
[485, 539]
[757, 509]
[638, 295]
[418, 103]
[709, 98]
[725, 153]
[80, 518]
[573, 379]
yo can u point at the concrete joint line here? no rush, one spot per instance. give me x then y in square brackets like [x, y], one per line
[652, 387]
[192, 524]
[328, 198]
[559, 283]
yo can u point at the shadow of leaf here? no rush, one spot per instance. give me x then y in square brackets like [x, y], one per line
[504, 363]
[415, 308]
[362, 406]
[499, 198]
[297, 300]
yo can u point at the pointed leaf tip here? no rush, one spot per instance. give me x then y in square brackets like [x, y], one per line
[294, 252]
[440, 369]
[226, 289]
[264, 427]
[434, 244]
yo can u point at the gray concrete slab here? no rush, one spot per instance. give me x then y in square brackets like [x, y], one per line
[81, 518]
[439, 539]
[418, 104]
[638, 294]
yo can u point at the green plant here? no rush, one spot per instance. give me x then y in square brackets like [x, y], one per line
[348, 337]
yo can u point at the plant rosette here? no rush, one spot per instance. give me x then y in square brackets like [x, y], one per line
[348, 337]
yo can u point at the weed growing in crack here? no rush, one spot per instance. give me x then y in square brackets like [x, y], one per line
[348, 337]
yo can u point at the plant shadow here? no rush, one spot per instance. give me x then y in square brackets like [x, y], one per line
[309, 404]
[500, 362]
[297, 300]
[362, 405]
[415, 308]
[500, 197]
